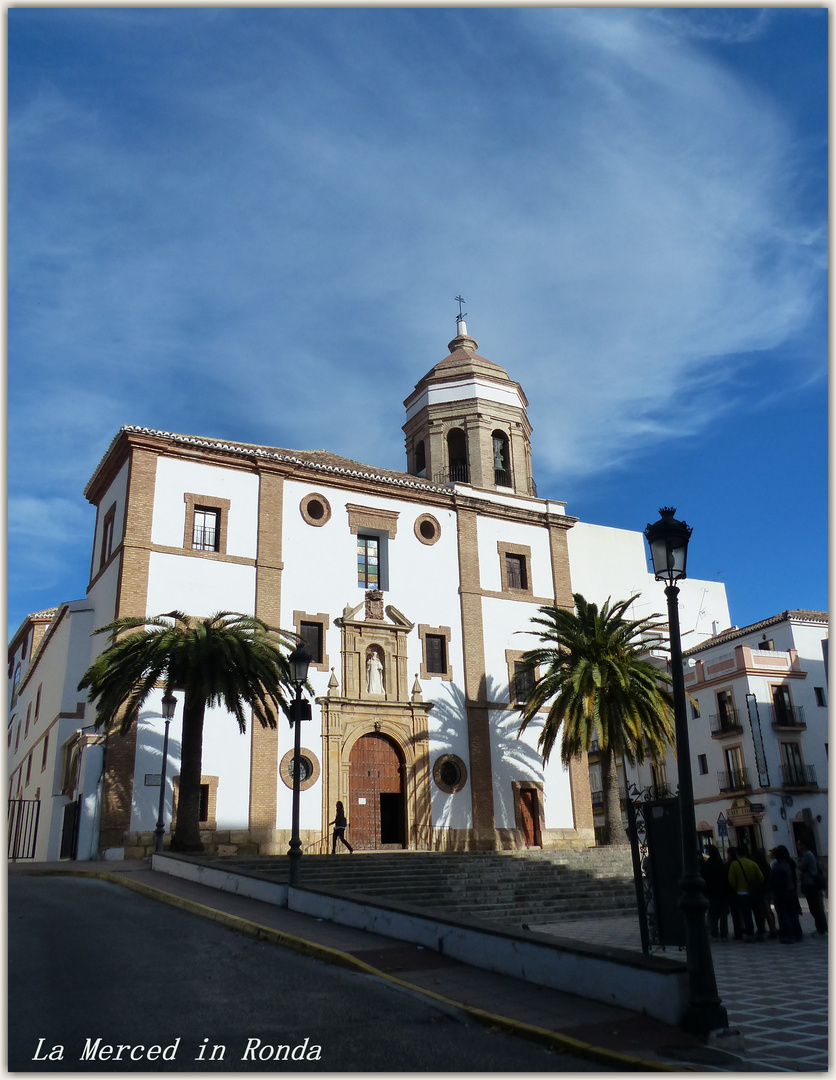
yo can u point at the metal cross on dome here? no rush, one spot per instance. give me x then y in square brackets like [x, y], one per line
[461, 315]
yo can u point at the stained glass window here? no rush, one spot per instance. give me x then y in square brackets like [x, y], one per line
[368, 562]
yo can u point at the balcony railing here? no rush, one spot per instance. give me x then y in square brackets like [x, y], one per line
[734, 780]
[204, 539]
[457, 473]
[597, 799]
[532, 488]
[788, 716]
[793, 776]
[727, 723]
[502, 478]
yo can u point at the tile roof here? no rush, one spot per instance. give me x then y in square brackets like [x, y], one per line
[794, 615]
[320, 460]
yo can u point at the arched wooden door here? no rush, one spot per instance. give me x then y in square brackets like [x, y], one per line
[377, 801]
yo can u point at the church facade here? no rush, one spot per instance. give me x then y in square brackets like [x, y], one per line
[413, 590]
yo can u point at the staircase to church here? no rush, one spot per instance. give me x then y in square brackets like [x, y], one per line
[512, 888]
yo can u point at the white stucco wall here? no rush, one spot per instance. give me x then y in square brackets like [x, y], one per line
[116, 493]
[198, 586]
[226, 754]
[175, 477]
[613, 563]
[491, 531]
[57, 669]
[321, 576]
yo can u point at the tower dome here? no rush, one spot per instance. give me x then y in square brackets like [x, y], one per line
[466, 422]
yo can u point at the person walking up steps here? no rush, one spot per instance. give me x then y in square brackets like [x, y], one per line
[340, 825]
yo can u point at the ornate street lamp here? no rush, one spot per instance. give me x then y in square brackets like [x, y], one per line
[299, 661]
[169, 704]
[668, 540]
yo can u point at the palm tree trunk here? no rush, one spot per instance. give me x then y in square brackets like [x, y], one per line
[616, 833]
[186, 835]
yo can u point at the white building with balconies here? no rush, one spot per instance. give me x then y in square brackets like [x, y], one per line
[758, 728]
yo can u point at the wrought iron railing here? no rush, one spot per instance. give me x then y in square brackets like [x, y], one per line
[502, 478]
[734, 780]
[726, 723]
[203, 539]
[456, 473]
[798, 776]
[322, 846]
[788, 716]
[23, 818]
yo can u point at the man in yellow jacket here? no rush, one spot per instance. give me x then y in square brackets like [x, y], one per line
[746, 880]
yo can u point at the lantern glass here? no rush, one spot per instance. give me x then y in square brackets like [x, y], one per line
[299, 661]
[169, 704]
[668, 540]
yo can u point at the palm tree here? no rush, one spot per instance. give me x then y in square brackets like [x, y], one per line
[228, 659]
[598, 683]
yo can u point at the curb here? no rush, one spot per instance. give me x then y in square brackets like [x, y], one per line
[555, 1040]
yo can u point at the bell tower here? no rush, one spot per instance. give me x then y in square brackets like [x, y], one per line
[466, 423]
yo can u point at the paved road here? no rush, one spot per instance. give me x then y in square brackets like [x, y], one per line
[89, 960]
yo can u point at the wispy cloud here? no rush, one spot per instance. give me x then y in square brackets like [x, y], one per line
[251, 224]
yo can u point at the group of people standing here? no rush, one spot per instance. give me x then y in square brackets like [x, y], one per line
[748, 887]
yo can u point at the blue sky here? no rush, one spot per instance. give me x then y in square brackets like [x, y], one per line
[251, 224]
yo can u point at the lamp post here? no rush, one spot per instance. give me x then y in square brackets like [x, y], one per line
[668, 540]
[299, 661]
[169, 705]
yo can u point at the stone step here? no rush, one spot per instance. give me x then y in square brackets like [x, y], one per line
[512, 887]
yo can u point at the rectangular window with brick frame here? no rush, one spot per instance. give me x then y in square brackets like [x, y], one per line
[523, 682]
[311, 627]
[107, 536]
[436, 646]
[206, 533]
[516, 572]
[311, 634]
[521, 678]
[515, 569]
[206, 524]
[435, 649]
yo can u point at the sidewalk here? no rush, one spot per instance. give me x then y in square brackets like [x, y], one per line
[757, 994]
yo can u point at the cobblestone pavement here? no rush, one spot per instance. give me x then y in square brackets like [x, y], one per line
[776, 995]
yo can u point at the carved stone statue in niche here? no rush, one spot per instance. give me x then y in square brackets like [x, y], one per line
[374, 673]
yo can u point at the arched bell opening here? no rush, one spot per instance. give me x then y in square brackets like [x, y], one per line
[457, 462]
[501, 460]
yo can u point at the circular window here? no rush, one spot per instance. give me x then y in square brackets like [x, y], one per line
[305, 770]
[315, 509]
[427, 529]
[450, 773]
[308, 773]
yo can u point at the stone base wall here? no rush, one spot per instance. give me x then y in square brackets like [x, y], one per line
[241, 842]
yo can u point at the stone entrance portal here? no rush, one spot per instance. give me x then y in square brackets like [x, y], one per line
[376, 809]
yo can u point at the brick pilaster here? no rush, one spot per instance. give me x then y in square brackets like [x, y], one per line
[475, 680]
[264, 742]
[131, 599]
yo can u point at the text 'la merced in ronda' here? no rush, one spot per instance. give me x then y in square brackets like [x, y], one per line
[255, 1050]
